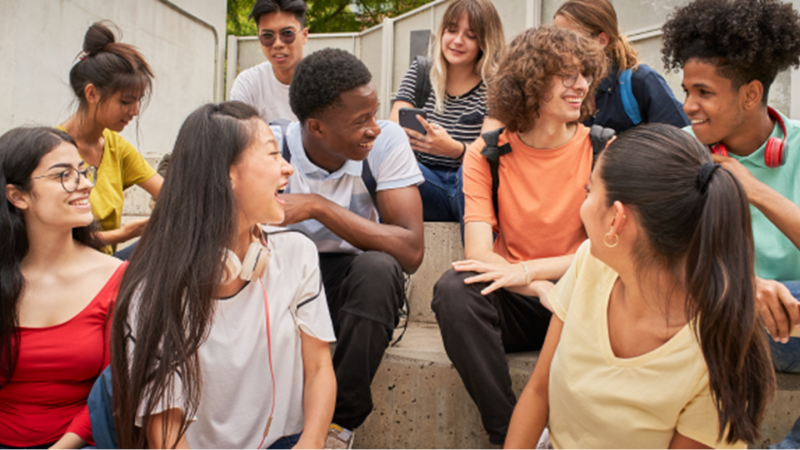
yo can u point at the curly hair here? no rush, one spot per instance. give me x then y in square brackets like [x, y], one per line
[527, 69]
[745, 39]
[320, 79]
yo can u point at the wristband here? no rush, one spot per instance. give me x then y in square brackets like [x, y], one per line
[463, 152]
[527, 273]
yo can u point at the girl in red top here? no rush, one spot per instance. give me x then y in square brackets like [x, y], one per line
[56, 291]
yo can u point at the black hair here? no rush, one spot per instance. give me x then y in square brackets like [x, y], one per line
[745, 39]
[697, 227]
[21, 150]
[176, 269]
[296, 7]
[321, 77]
[110, 66]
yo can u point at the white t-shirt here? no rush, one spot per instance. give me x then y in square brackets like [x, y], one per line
[392, 163]
[237, 389]
[258, 87]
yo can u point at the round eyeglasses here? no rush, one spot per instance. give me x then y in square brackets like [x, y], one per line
[71, 177]
[267, 38]
[569, 80]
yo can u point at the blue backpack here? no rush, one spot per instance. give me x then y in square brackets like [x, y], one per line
[628, 100]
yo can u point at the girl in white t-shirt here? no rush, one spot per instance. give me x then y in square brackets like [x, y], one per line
[655, 341]
[221, 334]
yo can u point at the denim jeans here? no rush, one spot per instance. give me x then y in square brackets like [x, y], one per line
[786, 358]
[286, 441]
[442, 194]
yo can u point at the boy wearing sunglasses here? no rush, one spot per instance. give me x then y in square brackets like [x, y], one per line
[282, 34]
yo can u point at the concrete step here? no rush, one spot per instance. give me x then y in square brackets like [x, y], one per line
[442, 247]
[420, 401]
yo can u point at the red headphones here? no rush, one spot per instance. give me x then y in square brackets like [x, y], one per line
[774, 156]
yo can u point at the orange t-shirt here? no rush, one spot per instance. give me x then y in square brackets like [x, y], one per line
[539, 196]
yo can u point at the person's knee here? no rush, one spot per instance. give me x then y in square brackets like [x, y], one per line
[451, 296]
[378, 265]
[375, 287]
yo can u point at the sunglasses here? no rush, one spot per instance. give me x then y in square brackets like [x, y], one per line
[267, 38]
[71, 178]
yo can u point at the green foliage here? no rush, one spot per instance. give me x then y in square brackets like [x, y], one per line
[238, 23]
[327, 16]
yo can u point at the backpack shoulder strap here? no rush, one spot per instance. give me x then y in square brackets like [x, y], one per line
[600, 137]
[369, 182]
[422, 87]
[628, 99]
[493, 153]
[284, 125]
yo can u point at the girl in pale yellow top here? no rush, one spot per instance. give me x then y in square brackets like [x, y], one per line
[111, 79]
[655, 341]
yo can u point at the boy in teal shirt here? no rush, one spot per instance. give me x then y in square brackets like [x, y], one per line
[730, 53]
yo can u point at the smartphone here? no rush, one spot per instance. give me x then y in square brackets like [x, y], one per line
[408, 119]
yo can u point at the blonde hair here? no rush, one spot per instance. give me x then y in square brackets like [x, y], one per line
[485, 23]
[598, 16]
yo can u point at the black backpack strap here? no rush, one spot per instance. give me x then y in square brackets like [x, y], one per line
[283, 124]
[369, 182]
[422, 87]
[600, 137]
[493, 153]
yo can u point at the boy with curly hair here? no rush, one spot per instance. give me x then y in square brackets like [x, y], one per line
[490, 304]
[366, 237]
[730, 53]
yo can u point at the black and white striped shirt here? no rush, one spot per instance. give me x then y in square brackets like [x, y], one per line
[462, 116]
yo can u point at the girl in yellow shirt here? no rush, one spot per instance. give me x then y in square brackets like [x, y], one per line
[111, 79]
[654, 341]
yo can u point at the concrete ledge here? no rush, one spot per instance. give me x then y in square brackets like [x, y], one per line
[442, 247]
[420, 401]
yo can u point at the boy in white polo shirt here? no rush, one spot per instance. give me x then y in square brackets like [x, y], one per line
[281, 34]
[354, 192]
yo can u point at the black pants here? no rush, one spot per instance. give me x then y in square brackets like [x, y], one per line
[365, 293]
[477, 331]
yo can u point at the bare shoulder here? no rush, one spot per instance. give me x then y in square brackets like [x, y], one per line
[97, 264]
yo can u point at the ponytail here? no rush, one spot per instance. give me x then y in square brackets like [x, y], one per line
[696, 222]
[721, 293]
[110, 66]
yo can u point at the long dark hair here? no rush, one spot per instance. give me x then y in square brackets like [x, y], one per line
[171, 280]
[21, 150]
[110, 66]
[700, 219]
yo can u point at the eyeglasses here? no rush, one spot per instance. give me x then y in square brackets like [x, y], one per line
[569, 80]
[71, 178]
[267, 38]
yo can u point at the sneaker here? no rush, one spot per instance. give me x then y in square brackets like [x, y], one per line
[339, 437]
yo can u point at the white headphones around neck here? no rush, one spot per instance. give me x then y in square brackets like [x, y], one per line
[255, 260]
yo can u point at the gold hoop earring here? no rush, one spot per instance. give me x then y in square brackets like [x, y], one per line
[616, 236]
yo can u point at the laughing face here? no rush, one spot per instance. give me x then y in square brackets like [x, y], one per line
[712, 105]
[351, 126]
[565, 97]
[259, 176]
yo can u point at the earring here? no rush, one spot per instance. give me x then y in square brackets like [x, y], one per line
[616, 236]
